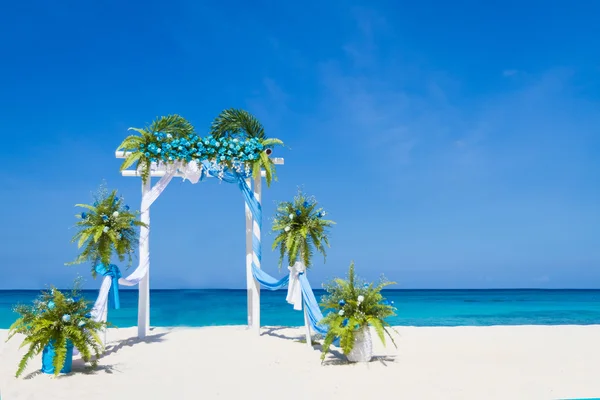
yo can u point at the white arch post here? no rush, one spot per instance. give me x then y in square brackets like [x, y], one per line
[252, 228]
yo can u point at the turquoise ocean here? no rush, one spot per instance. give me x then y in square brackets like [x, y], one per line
[415, 307]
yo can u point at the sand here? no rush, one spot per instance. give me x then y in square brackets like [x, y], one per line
[503, 362]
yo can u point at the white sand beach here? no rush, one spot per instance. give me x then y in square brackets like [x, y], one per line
[502, 362]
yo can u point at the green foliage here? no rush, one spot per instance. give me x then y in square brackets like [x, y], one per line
[172, 138]
[237, 123]
[300, 229]
[240, 124]
[354, 304]
[174, 125]
[57, 317]
[107, 227]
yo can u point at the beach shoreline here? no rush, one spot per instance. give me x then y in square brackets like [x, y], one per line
[530, 361]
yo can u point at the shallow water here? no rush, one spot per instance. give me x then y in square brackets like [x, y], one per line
[415, 307]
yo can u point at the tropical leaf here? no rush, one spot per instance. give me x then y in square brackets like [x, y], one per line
[131, 159]
[236, 123]
[41, 325]
[354, 304]
[301, 229]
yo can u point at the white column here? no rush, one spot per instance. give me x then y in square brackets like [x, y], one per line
[249, 276]
[255, 285]
[144, 285]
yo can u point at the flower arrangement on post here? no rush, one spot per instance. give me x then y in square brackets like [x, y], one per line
[108, 227]
[355, 306]
[237, 141]
[300, 229]
[54, 324]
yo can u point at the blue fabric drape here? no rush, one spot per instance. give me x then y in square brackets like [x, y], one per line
[312, 307]
[114, 272]
[267, 281]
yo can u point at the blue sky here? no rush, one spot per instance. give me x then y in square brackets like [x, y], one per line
[455, 143]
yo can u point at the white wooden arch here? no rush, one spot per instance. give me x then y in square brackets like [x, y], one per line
[252, 227]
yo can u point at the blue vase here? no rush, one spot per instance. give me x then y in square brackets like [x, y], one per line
[48, 358]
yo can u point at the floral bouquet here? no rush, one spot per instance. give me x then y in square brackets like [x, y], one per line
[355, 305]
[55, 323]
[237, 141]
[108, 227]
[300, 228]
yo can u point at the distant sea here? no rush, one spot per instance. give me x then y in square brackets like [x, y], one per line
[415, 307]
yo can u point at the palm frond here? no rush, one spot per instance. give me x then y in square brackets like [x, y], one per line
[237, 123]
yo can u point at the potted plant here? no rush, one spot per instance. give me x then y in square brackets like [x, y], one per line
[107, 227]
[54, 324]
[301, 228]
[355, 305]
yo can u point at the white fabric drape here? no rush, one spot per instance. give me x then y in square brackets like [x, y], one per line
[192, 172]
[294, 293]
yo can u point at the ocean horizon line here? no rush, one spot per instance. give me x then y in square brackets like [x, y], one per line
[320, 289]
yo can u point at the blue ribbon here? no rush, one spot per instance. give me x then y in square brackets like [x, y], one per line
[114, 272]
[267, 281]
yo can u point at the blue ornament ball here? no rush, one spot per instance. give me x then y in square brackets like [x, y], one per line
[298, 212]
[342, 303]
[305, 204]
[83, 215]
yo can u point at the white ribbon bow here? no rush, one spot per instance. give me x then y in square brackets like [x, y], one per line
[294, 294]
[192, 172]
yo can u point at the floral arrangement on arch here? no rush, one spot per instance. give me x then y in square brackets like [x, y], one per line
[107, 227]
[301, 228]
[354, 306]
[237, 141]
[58, 320]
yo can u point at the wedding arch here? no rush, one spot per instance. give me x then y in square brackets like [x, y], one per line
[150, 193]
[236, 152]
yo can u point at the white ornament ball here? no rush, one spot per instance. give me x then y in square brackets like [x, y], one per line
[105, 229]
[361, 298]
[116, 214]
[341, 312]
[287, 229]
[291, 216]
